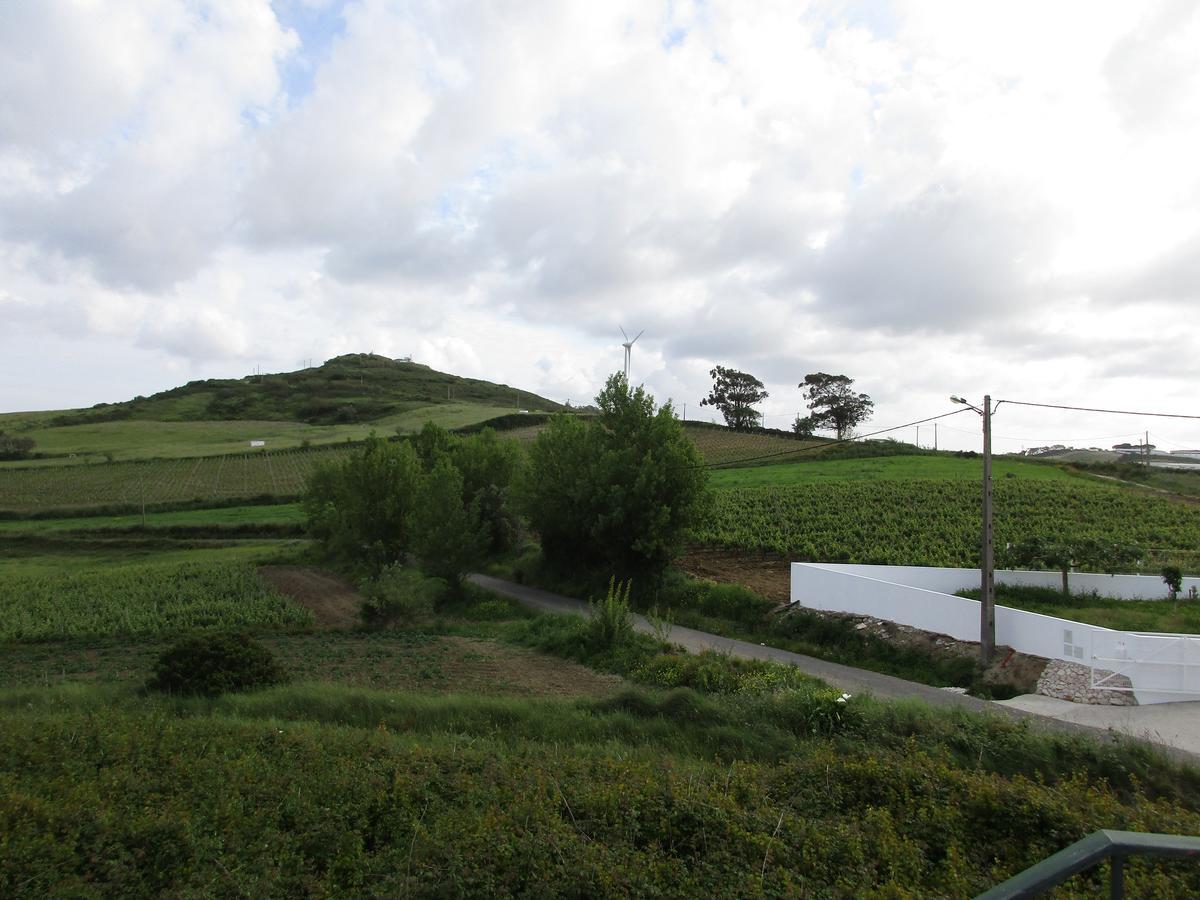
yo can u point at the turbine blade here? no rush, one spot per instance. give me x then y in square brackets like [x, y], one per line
[639, 334]
[623, 334]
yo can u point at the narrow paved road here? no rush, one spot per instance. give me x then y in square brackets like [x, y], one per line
[844, 678]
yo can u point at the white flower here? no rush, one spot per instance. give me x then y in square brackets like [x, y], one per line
[843, 698]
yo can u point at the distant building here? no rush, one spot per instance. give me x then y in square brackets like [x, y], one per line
[1141, 449]
[258, 443]
[1190, 454]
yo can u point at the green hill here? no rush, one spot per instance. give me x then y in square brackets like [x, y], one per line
[357, 387]
[344, 399]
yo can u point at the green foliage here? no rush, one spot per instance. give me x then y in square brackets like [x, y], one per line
[833, 403]
[361, 508]
[935, 522]
[448, 536]
[611, 624]
[617, 493]
[431, 443]
[398, 596]
[717, 673]
[735, 393]
[148, 599]
[215, 663]
[1095, 554]
[14, 447]
[1173, 578]
[489, 466]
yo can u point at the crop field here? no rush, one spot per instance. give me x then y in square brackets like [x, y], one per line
[935, 522]
[150, 599]
[887, 468]
[218, 478]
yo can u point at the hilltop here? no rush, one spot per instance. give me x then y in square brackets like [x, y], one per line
[356, 387]
[346, 398]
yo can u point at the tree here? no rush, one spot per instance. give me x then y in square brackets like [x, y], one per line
[734, 393]
[615, 494]
[360, 509]
[834, 404]
[1067, 553]
[447, 534]
[489, 466]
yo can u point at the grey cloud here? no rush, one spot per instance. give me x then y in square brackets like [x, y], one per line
[945, 260]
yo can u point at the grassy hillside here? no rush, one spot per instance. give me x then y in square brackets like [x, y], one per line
[344, 399]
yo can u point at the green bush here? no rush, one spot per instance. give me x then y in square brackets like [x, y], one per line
[611, 625]
[216, 663]
[399, 596]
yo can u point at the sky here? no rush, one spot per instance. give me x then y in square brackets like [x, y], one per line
[932, 198]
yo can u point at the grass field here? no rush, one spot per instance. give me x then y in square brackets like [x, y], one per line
[138, 439]
[273, 514]
[458, 756]
[890, 468]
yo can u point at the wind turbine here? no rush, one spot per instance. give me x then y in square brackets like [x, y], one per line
[628, 345]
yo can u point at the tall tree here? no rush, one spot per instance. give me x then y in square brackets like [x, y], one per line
[734, 393]
[834, 404]
[618, 493]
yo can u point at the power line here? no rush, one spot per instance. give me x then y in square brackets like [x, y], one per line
[1117, 412]
[814, 447]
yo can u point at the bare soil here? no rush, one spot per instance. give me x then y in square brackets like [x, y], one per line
[769, 575]
[333, 600]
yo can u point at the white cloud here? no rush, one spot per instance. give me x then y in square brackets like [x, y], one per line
[931, 197]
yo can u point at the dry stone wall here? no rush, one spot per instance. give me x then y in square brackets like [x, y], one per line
[1073, 681]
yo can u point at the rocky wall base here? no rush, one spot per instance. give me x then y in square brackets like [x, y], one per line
[1072, 681]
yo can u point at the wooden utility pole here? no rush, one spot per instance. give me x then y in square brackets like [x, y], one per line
[987, 577]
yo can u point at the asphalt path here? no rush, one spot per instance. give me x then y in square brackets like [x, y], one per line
[845, 678]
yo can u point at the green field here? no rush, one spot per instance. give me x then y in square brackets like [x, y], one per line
[155, 599]
[273, 514]
[935, 522]
[1178, 617]
[890, 468]
[210, 478]
[140, 439]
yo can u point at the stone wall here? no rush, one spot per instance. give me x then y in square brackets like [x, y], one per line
[1073, 681]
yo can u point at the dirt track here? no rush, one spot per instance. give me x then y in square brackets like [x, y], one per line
[334, 602]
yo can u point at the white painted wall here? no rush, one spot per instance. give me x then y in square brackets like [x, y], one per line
[947, 580]
[922, 597]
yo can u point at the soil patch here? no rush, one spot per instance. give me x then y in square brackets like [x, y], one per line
[767, 574]
[333, 600]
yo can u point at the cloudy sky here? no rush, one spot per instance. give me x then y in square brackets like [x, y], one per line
[931, 197]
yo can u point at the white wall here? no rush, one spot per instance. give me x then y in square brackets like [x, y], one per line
[947, 580]
[922, 597]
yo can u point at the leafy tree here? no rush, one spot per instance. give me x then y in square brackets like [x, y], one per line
[448, 537]
[1173, 578]
[488, 466]
[804, 426]
[360, 509]
[1065, 554]
[834, 404]
[734, 393]
[615, 494]
[431, 443]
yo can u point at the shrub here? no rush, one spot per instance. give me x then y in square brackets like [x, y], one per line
[213, 664]
[611, 624]
[400, 596]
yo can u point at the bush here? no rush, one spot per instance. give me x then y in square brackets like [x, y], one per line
[611, 624]
[217, 663]
[400, 596]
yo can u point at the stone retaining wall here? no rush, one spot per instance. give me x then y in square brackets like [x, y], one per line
[1072, 681]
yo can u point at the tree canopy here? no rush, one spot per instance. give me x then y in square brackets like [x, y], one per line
[734, 393]
[615, 494]
[832, 404]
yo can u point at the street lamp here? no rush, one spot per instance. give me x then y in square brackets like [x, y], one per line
[987, 578]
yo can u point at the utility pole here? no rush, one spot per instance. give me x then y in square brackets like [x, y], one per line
[987, 593]
[935, 436]
[918, 437]
[987, 575]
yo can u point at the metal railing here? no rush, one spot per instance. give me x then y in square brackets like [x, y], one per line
[1093, 849]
